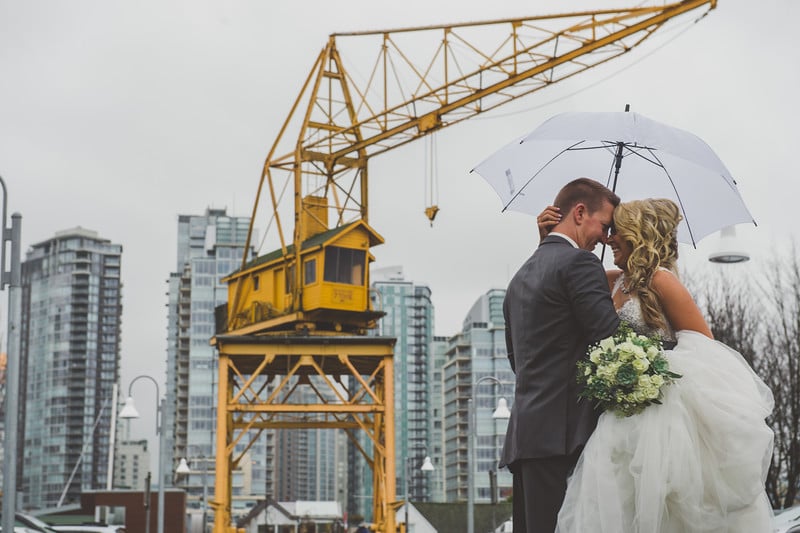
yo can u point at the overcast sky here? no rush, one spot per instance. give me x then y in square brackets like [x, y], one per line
[118, 116]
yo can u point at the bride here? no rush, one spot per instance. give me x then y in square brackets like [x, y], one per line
[698, 461]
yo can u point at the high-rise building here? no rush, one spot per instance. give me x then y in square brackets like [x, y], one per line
[308, 460]
[210, 246]
[69, 355]
[478, 351]
[409, 318]
[436, 451]
[131, 464]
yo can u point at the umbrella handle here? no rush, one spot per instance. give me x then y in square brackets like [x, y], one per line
[617, 164]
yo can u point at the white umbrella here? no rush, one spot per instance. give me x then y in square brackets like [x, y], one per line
[633, 155]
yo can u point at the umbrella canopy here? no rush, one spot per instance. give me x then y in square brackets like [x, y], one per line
[631, 154]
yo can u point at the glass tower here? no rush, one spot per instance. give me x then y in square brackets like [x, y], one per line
[70, 350]
[410, 319]
[210, 246]
[438, 355]
[479, 350]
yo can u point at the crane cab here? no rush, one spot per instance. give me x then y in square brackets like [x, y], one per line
[334, 285]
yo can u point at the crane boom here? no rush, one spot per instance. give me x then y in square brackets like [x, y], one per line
[369, 92]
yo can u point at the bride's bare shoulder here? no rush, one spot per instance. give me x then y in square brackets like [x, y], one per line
[678, 306]
[665, 279]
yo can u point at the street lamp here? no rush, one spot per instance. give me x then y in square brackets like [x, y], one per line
[129, 411]
[12, 278]
[500, 413]
[427, 466]
[728, 251]
[183, 468]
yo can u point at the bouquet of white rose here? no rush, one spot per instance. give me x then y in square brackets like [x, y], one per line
[625, 373]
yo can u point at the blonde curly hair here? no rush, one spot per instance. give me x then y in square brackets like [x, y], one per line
[650, 227]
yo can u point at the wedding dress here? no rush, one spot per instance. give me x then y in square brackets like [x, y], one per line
[696, 463]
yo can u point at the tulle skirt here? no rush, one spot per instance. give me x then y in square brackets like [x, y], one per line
[695, 463]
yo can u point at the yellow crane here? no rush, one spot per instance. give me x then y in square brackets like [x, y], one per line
[300, 313]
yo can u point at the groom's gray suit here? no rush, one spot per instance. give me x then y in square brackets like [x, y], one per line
[556, 305]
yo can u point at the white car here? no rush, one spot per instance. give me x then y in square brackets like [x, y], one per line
[90, 528]
[24, 523]
[787, 520]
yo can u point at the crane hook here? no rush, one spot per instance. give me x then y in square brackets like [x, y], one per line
[431, 179]
[430, 212]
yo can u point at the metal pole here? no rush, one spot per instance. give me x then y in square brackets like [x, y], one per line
[112, 439]
[80, 457]
[160, 428]
[147, 504]
[205, 495]
[12, 363]
[470, 466]
[407, 500]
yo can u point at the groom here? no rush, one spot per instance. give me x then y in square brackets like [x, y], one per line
[556, 305]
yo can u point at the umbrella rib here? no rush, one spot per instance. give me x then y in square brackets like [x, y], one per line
[521, 189]
[607, 147]
[655, 161]
[677, 195]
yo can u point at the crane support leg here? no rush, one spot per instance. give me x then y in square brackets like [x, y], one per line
[265, 382]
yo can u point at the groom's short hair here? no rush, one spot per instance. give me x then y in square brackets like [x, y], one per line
[586, 191]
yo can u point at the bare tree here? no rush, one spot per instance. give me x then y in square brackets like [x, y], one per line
[779, 367]
[734, 316]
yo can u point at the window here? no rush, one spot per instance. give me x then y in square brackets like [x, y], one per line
[344, 265]
[310, 272]
[255, 283]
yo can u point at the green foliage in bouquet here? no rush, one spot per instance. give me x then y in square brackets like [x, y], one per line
[626, 372]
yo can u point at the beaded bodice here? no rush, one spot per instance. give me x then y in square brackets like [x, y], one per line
[631, 312]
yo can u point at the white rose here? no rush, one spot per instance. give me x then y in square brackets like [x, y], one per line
[607, 343]
[594, 356]
[625, 350]
[652, 352]
[641, 365]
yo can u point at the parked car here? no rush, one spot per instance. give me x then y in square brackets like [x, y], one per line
[787, 520]
[24, 523]
[90, 528]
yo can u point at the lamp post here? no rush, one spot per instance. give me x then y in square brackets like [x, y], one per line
[183, 468]
[500, 413]
[13, 279]
[728, 251]
[427, 466]
[129, 411]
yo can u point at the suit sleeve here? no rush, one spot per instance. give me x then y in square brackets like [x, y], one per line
[591, 300]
